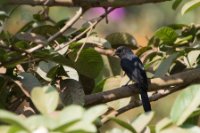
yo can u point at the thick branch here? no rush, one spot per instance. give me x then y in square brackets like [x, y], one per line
[83, 3]
[169, 82]
[160, 94]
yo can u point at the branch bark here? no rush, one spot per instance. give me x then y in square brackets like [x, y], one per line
[167, 82]
[83, 3]
[160, 94]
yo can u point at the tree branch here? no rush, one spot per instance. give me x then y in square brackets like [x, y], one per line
[83, 3]
[169, 82]
[68, 24]
[160, 94]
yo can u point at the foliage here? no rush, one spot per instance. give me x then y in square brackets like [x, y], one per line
[70, 67]
[76, 119]
[188, 6]
[73, 118]
[184, 109]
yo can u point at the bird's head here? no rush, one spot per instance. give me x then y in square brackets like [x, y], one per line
[122, 51]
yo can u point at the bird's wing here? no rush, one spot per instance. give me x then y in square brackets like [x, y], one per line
[135, 71]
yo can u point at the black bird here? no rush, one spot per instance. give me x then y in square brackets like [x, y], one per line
[134, 68]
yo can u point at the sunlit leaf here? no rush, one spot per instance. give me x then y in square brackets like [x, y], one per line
[165, 65]
[124, 125]
[43, 68]
[174, 129]
[94, 112]
[81, 127]
[142, 121]
[45, 99]
[190, 5]
[192, 128]
[13, 119]
[74, 113]
[185, 104]
[164, 123]
[3, 14]
[96, 41]
[37, 121]
[167, 35]
[191, 59]
[71, 72]
[4, 129]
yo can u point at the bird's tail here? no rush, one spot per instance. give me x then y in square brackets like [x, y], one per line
[145, 100]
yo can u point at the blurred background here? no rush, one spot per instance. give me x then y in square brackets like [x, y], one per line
[140, 21]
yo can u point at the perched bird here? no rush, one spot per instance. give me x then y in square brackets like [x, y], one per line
[134, 68]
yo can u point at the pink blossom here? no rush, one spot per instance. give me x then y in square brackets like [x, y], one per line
[116, 15]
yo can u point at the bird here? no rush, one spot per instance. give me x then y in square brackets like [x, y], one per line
[134, 69]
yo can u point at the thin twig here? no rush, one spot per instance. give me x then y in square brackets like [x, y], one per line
[68, 24]
[83, 45]
[92, 26]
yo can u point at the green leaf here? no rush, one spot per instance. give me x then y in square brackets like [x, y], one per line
[3, 15]
[69, 116]
[71, 72]
[124, 124]
[81, 127]
[177, 26]
[167, 35]
[190, 6]
[53, 56]
[88, 58]
[72, 92]
[115, 130]
[45, 99]
[176, 4]
[185, 104]
[39, 17]
[37, 121]
[142, 50]
[16, 129]
[99, 86]
[192, 128]
[3, 2]
[162, 124]
[94, 112]
[195, 113]
[113, 83]
[119, 38]
[53, 72]
[96, 41]
[13, 119]
[183, 40]
[142, 121]
[42, 30]
[165, 65]
[4, 129]
[191, 59]
[43, 68]
[174, 129]
[29, 81]
[32, 37]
